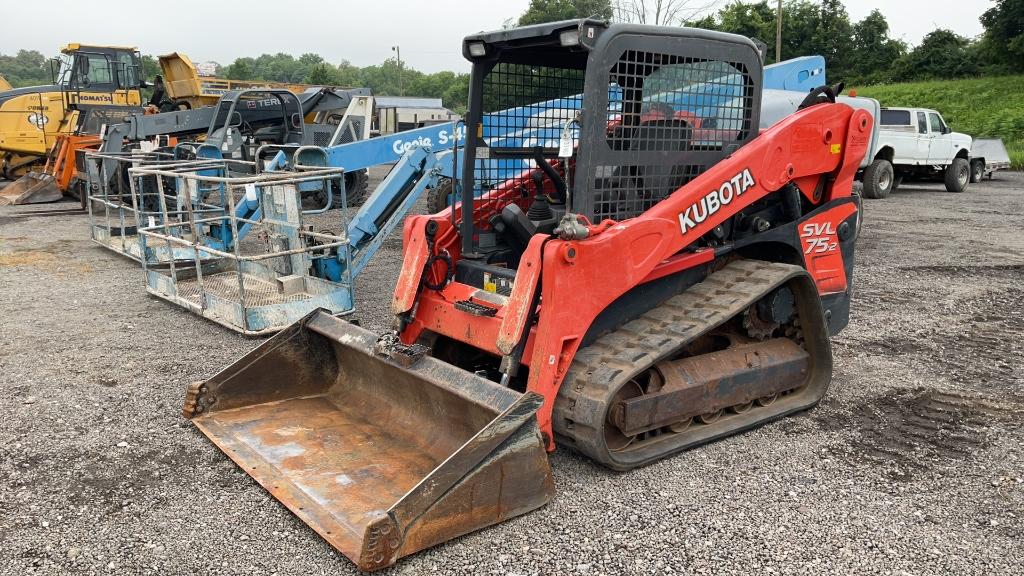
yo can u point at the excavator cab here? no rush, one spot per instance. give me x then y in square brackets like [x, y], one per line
[597, 281]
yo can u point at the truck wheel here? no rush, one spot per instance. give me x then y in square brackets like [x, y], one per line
[977, 171]
[958, 174]
[439, 197]
[357, 187]
[878, 179]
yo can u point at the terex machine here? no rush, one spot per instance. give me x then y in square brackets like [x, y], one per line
[101, 80]
[655, 281]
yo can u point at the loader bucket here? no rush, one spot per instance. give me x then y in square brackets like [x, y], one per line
[380, 451]
[32, 188]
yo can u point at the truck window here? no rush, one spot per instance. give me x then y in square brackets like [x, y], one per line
[935, 121]
[922, 123]
[895, 118]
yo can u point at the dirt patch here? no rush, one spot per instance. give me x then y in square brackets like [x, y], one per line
[921, 430]
[987, 349]
[966, 270]
[52, 257]
[889, 345]
[27, 258]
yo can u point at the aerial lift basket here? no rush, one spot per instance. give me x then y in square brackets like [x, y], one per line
[381, 449]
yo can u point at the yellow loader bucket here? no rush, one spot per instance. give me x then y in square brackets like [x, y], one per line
[380, 449]
[32, 188]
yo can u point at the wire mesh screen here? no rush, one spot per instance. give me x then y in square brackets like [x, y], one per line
[524, 107]
[669, 118]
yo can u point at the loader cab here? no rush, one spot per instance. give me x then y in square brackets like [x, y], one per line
[634, 112]
[98, 69]
[249, 119]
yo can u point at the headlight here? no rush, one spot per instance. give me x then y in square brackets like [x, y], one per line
[569, 37]
[477, 49]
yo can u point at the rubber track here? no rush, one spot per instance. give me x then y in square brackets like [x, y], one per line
[601, 368]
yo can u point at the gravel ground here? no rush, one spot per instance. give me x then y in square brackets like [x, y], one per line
[911, 465]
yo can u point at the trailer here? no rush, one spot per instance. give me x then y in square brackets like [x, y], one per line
[987, 156]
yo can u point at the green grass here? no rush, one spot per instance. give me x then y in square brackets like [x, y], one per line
[990, 107]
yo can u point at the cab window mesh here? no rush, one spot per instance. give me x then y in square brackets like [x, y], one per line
[524, 107]
[669, 118]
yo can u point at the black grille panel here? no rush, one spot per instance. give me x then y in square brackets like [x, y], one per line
[668, 118]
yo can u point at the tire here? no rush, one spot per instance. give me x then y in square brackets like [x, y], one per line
[439, 197]
[958, 175]
[977, 171]
[357, 186]
[878, 179]
[175, 106]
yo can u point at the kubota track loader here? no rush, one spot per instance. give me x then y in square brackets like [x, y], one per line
[662, 276]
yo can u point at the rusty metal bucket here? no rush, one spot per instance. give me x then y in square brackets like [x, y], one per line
[32, 188]
[382, 455]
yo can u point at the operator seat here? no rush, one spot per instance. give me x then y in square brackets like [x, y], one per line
[634, 189]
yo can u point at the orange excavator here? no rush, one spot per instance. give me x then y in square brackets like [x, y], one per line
[648, 283]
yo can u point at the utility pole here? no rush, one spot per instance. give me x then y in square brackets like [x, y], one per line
[778, 34]
[398, 54]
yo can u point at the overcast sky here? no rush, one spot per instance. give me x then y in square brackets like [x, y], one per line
[428, 32]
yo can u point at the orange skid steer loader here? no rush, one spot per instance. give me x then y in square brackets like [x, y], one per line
[59, 174]
[659, 275]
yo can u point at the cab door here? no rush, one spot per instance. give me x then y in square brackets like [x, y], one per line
[92, 80]
[941, 149]
[924, 139]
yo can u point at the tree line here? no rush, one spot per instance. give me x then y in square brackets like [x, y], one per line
[861, 52]
[864, 52]
[392, 78]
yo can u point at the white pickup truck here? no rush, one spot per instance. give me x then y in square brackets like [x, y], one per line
[916, 143]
